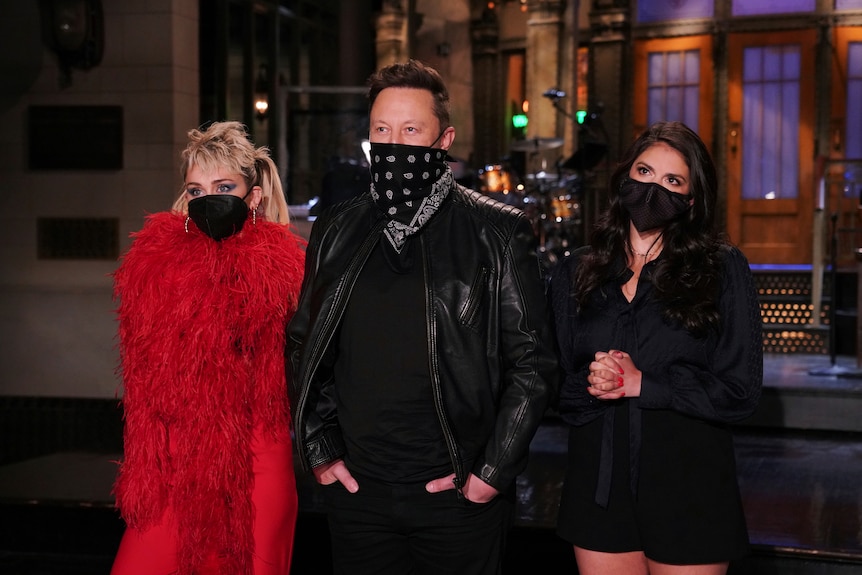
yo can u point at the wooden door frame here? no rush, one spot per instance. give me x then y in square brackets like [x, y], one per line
[706, 110]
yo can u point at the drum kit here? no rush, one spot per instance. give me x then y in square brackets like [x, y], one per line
[550, 199]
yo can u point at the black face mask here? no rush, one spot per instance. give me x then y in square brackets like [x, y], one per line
[651, 205]
[219, 216]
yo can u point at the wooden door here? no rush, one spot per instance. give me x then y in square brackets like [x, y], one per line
[841, 165]
[770, 145]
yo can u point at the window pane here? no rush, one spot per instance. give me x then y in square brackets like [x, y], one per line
[789, 138]
[770, 122]
[673, 80]
[853, 129]
[847, 4]
[791, 65]
[753, 7]
[772, 64]
[692, 67]
[674, 103]
[674, 65]
[752, 172]
[854, 60]
[770, 149]
[751, 64]
[853, 148]
[656, 10]
[692, 105]
[656, 67]
[656, 105]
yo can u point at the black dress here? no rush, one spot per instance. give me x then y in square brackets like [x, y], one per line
[657, 473]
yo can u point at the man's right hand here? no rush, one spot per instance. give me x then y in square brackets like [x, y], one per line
[333, 471]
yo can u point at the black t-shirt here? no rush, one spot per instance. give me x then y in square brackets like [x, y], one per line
[382, 381]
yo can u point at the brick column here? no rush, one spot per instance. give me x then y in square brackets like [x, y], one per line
[488, 98]
[544, 50]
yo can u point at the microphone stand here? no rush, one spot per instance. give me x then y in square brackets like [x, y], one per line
[559, 107]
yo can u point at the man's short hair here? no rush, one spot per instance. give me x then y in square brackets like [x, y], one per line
[412, 74]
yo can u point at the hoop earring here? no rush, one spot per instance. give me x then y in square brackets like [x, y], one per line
[186, 225]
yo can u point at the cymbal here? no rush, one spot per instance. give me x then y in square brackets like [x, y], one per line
[543, 176]
[536, 144]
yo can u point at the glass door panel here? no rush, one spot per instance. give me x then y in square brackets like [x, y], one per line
[770, 138]
[675, 77]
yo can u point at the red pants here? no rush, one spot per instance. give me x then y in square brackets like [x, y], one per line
[154, 551]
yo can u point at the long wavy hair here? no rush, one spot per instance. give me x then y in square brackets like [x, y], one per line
[687, 276]
[227, 145]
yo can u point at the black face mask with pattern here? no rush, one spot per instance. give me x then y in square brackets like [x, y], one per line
[651, 205]
[408, 184]
[403, 176]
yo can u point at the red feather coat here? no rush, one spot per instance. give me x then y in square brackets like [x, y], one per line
[202, 334]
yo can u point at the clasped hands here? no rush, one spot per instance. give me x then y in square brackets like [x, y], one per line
[475, 490]
[613, 375]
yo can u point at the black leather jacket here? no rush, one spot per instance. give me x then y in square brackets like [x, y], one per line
[490, 349]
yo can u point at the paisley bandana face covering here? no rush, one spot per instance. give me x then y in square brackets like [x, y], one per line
[651, 205]
[408, 184]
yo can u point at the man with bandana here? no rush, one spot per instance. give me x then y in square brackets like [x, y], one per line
[422, 353]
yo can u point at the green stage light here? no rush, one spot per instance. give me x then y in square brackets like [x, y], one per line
[519, 121]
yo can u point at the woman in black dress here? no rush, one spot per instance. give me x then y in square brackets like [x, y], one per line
[659, 330]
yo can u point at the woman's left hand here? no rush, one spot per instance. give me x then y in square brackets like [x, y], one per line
[613, 375]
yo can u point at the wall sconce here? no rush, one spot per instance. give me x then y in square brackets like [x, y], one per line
[75, 32]
[261, 94]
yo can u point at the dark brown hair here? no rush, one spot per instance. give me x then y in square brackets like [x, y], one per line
[687, 276]
[412, 74]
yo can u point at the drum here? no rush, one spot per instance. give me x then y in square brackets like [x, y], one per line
[543, 180]
[534, 208]
[563, 208]
[561, 233]
[493, 178]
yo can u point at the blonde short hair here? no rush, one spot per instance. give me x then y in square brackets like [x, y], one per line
[227, 145]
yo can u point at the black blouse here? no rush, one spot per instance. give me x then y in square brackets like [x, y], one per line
[716, 377]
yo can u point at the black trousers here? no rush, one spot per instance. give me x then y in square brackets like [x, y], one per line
[404, 530]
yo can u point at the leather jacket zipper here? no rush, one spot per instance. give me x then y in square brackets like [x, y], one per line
[431, 327]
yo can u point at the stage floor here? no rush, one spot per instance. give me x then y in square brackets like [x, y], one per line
[801, 487]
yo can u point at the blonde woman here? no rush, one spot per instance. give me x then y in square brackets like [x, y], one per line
[206, 484]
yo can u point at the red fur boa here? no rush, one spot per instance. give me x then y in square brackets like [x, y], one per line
[202, 333]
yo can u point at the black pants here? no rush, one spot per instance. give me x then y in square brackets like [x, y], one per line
[404, 530]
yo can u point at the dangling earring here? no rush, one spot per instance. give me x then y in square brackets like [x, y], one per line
[186, 225]
[254, 217]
